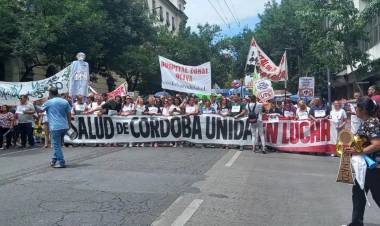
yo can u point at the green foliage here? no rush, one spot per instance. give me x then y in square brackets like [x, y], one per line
[119, 36]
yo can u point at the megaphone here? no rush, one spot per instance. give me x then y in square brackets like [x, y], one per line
[370, 162]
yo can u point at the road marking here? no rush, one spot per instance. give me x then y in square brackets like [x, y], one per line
[187, 213]
[11, 153]
[233, 159]
[160, 218]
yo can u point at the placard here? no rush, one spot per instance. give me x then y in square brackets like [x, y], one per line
[306, 87]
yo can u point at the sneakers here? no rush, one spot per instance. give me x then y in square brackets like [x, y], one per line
[60, 165]
[52, 163]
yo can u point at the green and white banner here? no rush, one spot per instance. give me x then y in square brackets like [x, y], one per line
[10, 92]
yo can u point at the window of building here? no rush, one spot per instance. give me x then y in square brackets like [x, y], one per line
[161, 14]
[373, 31]
[154, 7]
[173, 24]
[167, 19]
[374, 35]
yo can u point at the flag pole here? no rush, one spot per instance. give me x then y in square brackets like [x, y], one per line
[286, 69]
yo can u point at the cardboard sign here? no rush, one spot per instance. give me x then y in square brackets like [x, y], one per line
[264, 90]
[306, 87]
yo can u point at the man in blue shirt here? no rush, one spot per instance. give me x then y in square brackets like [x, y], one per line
[58, 112]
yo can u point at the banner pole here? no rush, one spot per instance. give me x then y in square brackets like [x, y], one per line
[286, 69]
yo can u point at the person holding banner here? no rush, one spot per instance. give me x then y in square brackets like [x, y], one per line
[288, 109]
[79, 107]
[369, 131]
[224, 109]
[189, 106]
[318, 111]
[207, 108]
[176, 109]
[112, 106]
[238, 109]
[6, 125]
[139, 106]
[152, 108]
[302, 112]
[128, 107]
[96, 106]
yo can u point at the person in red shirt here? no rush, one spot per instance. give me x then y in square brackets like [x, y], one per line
[373, 93]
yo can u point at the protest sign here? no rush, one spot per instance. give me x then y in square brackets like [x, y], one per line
[266, 67]
[306, 87]
[264, 90]
[122, 90]
[300, 136]
[183, 78]
[10, 92]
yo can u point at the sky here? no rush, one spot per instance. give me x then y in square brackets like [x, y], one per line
[245, 11]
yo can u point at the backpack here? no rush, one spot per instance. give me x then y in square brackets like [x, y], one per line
[252, 116]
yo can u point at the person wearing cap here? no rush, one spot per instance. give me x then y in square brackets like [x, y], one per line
[24, 114]
[58, 111]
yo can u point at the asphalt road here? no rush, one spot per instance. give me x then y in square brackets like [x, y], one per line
[166, 186]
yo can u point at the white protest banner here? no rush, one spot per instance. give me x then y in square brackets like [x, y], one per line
[183, 78]
[300, 136]
[306, 87]
[119, 91]
[266, 67]
[10, 92]
[264, 90]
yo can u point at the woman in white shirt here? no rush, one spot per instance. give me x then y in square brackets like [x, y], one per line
[338, 116]
[176, 109]
[128, 107]
[79, 108]
[96, 107]
[302, 112]
[152, 109]
[190, 107]
[139, 106]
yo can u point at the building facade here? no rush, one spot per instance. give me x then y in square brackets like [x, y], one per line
[348, 81]
[169, 13]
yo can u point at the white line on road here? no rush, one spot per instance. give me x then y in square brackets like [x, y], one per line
[159, 219]
[233, 159]
[187, 213]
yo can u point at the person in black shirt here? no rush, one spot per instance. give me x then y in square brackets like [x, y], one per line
[112, 106]
[369, 131]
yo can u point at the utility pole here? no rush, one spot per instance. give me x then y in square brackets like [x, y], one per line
[328, 73]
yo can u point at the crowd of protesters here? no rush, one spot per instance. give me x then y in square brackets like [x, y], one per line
[27, 122]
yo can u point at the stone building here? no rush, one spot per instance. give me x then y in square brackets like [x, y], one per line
[348, 81]
[169, 13]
